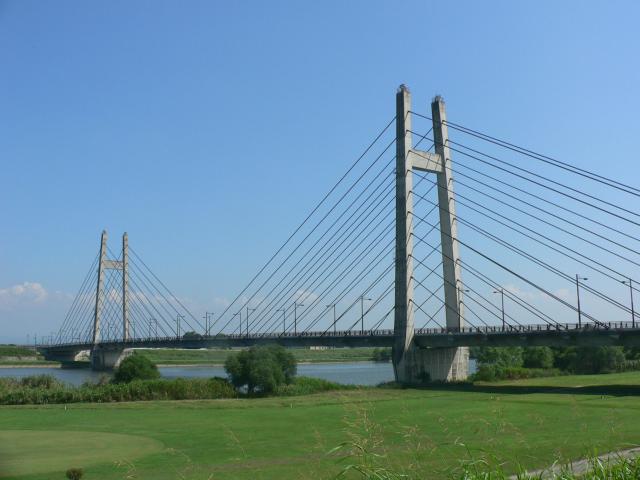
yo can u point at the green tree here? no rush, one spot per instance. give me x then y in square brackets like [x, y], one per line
[261, 369]
[537, 357]
[499, 356]
[589, 359]
[135, 367]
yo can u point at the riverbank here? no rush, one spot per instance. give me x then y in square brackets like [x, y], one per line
[518, 424]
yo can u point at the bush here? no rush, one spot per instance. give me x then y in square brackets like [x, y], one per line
[381, 355]
[136, 367]
[308, 385]
[586, 360]
[75, 473]
[490, 373]
[501, 356]
[537, 357]
[40, 381]
[178, 389]
[261, 369]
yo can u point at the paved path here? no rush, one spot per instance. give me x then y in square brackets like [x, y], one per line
[580, 467]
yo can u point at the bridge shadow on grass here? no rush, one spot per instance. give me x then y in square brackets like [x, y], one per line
[610, 390]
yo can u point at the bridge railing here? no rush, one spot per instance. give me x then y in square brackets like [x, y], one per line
[491, 329]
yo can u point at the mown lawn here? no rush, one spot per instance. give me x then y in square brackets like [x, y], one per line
[531, 423]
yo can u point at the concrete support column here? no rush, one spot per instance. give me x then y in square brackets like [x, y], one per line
[411, 364]
[403, 315]
[450, 364]
[125, 287]
[453, 291]
[108, 358]
[99, 287]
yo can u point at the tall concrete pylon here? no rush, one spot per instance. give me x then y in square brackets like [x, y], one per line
[107, 264]
[412, 364]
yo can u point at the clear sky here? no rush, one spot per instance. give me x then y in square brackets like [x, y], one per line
[207, 129]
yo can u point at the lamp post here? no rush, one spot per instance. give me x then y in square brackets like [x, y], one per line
[578, 278]
[207, 325]
[178, 319]
[249, 310]
[295, 316]
[501, 292]
[334, 315]
[460, 290]
[362, 299]
[284, 319]
[633, 313]
[234, 316]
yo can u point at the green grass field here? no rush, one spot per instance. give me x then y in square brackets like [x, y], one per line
[531, 423]
[218, 357]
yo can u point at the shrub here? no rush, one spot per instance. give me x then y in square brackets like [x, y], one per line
[40, 381]
[501, 356]
[309, 385]
[135, 367]
[75, 473]
[381, 355]
[490, 373]
[537, 357]
[261, 369]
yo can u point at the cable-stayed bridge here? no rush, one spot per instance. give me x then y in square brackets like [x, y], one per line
[528, 250]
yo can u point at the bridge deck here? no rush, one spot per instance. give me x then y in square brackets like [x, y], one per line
[614, 333]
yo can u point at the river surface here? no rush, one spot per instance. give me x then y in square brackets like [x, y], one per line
[360, 373]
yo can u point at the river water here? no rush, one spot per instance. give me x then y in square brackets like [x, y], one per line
[359, 373]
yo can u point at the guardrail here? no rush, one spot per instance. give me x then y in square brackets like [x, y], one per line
[484, 330]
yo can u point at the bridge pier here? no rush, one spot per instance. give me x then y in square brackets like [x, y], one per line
[413, 365]
[107, 358]
[422, 365]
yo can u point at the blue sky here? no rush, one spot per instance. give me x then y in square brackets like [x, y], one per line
[207, 130]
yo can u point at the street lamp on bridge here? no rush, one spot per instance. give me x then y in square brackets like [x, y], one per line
[501, 292]
[234, 316]
[633, 314]
[295, 316]
[249, 310]
[207, 325]
[362, 299]
[334, 315]
[284, 319]
[584, 279]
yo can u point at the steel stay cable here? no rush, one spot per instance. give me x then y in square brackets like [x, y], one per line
[305, 221]
[537, 197]
[540, 262]
[431, 318]
[422, 239]
[78, 295]
[541, 157]
[535, 182]
[186, 310]
[526, 280]
[475, 227]
[332, 249]
[324, 276]
[147, 283]
[259, 288]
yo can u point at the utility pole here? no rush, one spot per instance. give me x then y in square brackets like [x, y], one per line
[207, 324]
[178, 318]
[460, 291]
[334, 316]
[578, 278]
[633, 314]
[234, 316]
[249, 310]
[295, 316]
[284, 318]
[501, 292]
[362, 299]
